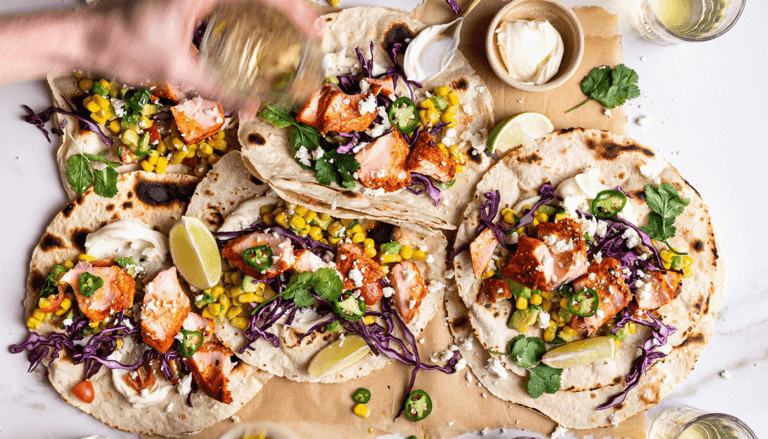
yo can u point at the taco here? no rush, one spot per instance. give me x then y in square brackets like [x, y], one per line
[155, 127]
[298, 279]
[585, 235]
[112, 321]
[370, 140]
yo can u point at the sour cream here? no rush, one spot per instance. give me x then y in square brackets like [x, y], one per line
[577, 193]
[429, 53]
[146, 397]
[129, 238]
[247, 213]
[531, 50]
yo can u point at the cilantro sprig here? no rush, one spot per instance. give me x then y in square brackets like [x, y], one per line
[330, 166]
[81, 174]
[610, 87]
[526, 353]
[325, 282]
[666, 205]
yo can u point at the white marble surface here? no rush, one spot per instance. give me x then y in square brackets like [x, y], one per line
[708, 107]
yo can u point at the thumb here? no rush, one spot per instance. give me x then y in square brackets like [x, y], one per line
[190, 73]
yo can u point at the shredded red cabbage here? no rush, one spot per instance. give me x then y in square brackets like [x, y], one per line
[547, 194]
[620, 189]
[454, 6]
[427, 186]
[307, 243]
[659, 335]
[367, 65]
[40, 119]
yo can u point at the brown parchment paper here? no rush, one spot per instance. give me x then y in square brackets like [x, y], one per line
[311, 410]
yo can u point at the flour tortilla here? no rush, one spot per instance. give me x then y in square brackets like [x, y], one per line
[291, 360]
[554, 158]
[267, 151]
[158, 201]
[66, 94]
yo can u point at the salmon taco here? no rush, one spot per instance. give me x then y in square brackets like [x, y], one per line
[114, 324]
[588, 278]
[313, 295]
[110, 128]
[372, 139]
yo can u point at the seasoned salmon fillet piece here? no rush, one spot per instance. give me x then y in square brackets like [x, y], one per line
[426, 158]
[493, 290]
[613, 295]
[565, 241]
[343, 113]
[384, 86]
[196, 322]
[357, 269]
[282, 254]
[210, 367]
[657, 289]
[481, 251]
[164, 310]
[371, 293]
[308, 261]
[382, 163]
[115, 295]
[313, 111]
[198, 119]
[409, 288]
[166, 90]
[532, 265]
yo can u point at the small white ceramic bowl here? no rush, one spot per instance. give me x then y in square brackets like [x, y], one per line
[562, 18]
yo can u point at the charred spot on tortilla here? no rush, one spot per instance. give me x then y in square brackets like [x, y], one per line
[78, 237]
[475, 157]
[110, 207]
[593, 395]
[460, 84]
[714, 252]
[36, 280]
[458, 323]
[128, 205]
[256, 181]
[530, 159]
[209, 193]
[351, 195]
[693, 339]
[256, 139]
[609, 150]
[51, 242]
[67, 211]
[619, 406]
[155, 193]
[115, 216]
[698, 245]
[216, 219]
[397, 33]
[691, 186]
[569, 130]
[699, 305]
[706, 303]
[622, 175]
[80, 199]
[616, 380]
[129, 195]
[639, 194]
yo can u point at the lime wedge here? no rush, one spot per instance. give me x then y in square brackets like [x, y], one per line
[338, 356]
[580, 352]
[520, 129]
[195, 253]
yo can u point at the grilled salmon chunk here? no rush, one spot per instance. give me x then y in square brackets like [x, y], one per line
[210, 367]
[115, 295]
[196, 322]
[343, 114]
[565, 241]
[371, 293]
[409, 287]
[382, 163]
[313, 110]
[532, 265]
[426, 158]
[357, 269]
[657, 289]
[198, 119]
[613, 295]
[308, 261]
[164, 310]
[385, 86]
[282, 254]
[481, 251]
[493, 290]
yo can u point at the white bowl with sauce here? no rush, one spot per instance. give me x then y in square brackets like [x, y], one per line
[562, 18]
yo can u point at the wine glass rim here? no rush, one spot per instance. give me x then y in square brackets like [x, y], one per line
[706, 38]
[707, 416]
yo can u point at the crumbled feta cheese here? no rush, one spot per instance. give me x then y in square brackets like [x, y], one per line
[572, 203]
[467, 109]
[303, 156]
[607, 112]
[600, 313]
[461, 364]
[591, 276]
[408, 275]
[365, 86]
[599, 257]
[643, 121]
[513, 238]
[469, 376]
[67, 322]
[601, 229]
[631, 237]
[169, 408]
[560, 431]
[235, 419]
[356, 276]
[652, 169]
[725, 374]
[412, 304]
[317, 153]
[543, 319]
[495, 366]
[367, 105]
[388, 292]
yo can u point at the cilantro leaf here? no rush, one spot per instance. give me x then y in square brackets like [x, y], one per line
[543, 379]
[666, 205]
[100, 158]
[105, 182]
[610, 87]
[526, 351]
[325, 172]
[301, 296]
[79, 173]
[327, 284]
[276, 116]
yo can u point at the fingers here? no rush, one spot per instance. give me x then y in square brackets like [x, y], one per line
[299, 11]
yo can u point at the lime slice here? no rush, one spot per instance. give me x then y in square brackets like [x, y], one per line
[580, 352]
[195, 253]
[338, 356]
[520, 129]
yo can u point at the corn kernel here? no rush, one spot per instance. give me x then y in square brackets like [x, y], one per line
[542, 217]
[85, 257]
[509, 217]
[261, 288]
[565, 336]
[687, 272]
[204, 150]
[145, 165]
[219, 135]
[459, 169]
[207, 315]
[452, 124]
[398, 258]
[144, 122]
[535, 299]
[569, 331]
[33, 323]
[535, 222]
[453, 99]
[357, 238]
[234, 312]
[309, 216]
[447, 118]
[316, 233]
[162, 165]
[632, 327]
[333, 240]
[388, 258]
[666, 255]
[239, 322]
[336, 229]
[547, 295]
[549, 335]
[356, 229]
[217, 291]
[93, 324]
[667, 265]
[369, 320]
[130, 137]
[177, 157]
[432, 115]
[362, 410]
[114, 126]
[442, 90]
[370, 252]
[564, 303]
[298, 222]
[246, 298]
[101, 101]
[177, 143]
[521, 303]
[546, 305]
[559, 216]
[423, 118]
[419, 255]
[303, 232]
[488, 273]
[214, 309]
[37, 314]
[301, 210]
[406, 252]
[99, 119]
[428, 104]
[369, 242]
[119, 342]
[687, 261]
[60, 312]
